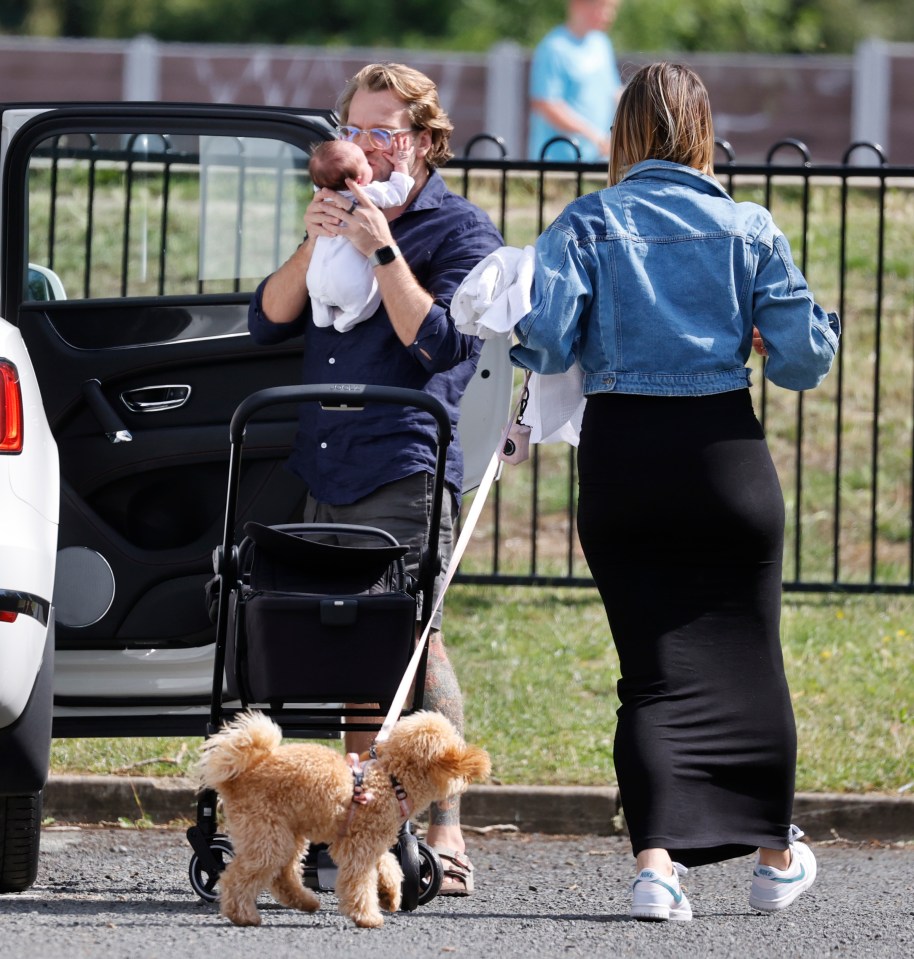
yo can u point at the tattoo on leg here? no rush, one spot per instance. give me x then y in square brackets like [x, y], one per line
[442, 694]
[446, 813]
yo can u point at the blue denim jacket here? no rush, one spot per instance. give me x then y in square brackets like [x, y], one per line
[654, 285]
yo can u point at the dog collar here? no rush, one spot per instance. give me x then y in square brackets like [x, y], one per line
[360, 794]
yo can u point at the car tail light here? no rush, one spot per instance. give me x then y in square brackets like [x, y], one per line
[6, 617]
[10, 409]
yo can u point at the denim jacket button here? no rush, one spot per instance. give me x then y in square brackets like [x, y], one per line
[609, 381]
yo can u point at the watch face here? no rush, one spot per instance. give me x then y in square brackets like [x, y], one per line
[386, 254]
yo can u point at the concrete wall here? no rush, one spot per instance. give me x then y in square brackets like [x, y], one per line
[828, 102]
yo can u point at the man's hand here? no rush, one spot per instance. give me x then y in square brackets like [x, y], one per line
[559, 115]
[324, 216]
[285, 294]
[366, 227]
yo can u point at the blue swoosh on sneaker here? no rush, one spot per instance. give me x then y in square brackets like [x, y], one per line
[798, 878]
[676, 894]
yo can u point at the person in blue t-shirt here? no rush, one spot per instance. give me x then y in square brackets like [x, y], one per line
[575, 84]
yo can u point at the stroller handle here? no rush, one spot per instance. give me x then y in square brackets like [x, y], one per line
[341, 396]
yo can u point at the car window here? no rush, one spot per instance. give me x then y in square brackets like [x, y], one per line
[151, 214]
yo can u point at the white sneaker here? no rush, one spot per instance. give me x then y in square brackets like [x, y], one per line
[660, 897]
[775, 889]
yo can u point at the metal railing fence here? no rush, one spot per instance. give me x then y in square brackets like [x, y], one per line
[843, 451]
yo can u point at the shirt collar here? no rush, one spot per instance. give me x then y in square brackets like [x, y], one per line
[431, 196]
[675, 172]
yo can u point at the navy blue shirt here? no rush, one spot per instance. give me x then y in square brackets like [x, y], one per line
[343, 456]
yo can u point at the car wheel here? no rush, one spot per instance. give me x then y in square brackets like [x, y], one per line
[20, 834]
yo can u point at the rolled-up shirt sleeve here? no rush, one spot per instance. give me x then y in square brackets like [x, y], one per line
[439, 345]
[265, 332]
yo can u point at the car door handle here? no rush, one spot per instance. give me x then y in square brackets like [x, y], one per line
[155, 399]
[104, 412]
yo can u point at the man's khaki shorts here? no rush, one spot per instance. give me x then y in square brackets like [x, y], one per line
[403, 509]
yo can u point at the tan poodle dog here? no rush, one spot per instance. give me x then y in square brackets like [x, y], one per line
[278, 798]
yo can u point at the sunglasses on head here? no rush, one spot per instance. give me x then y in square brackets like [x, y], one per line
[379, 137]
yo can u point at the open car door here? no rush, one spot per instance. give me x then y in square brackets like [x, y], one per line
[133, 236]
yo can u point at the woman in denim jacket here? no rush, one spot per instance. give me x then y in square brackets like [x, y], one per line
[659, 287]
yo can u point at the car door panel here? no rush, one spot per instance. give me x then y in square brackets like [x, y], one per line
[150, 346]
[153, 507]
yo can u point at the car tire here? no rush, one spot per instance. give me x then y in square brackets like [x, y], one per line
[20, 835]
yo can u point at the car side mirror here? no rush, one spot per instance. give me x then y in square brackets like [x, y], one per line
[43, 284]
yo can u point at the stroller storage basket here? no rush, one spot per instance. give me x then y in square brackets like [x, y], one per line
[316, 619]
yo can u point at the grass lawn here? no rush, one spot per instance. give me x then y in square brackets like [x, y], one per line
[537, 666]
[539, 673]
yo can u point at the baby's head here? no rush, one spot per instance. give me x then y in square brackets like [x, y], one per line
[335, 161]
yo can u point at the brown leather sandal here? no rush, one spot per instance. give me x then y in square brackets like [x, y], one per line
[458, 873]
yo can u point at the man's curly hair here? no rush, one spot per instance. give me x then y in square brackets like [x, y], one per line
[418, 93]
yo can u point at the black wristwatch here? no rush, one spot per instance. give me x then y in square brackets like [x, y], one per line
[384, 255]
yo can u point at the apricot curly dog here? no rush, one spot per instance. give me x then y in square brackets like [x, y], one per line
[278, 798]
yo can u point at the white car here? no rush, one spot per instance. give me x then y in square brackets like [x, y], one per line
[132, 236]
[29, 488]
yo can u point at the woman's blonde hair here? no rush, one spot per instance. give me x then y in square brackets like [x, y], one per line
[419, 95]
[664, 114]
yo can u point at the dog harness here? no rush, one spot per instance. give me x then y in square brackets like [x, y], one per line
[362, 796]
[400, 793]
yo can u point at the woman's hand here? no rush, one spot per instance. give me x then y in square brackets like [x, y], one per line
[758, 344]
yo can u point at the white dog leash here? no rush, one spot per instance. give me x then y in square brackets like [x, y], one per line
[396, 707]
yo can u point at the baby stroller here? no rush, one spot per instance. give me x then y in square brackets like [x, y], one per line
[310, 617]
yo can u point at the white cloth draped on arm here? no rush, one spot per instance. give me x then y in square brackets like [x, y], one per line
[493, 296]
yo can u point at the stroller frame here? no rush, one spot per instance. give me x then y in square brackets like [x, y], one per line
[211, 849]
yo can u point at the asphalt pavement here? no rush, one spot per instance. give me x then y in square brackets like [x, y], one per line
[114, 893]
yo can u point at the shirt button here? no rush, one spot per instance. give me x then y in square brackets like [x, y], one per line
[332, 360]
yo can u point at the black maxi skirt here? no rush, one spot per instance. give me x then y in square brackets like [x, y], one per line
[681, 519]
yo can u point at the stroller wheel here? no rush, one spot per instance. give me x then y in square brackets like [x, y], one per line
[203, 877]
[431, 873]
[407, 852]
